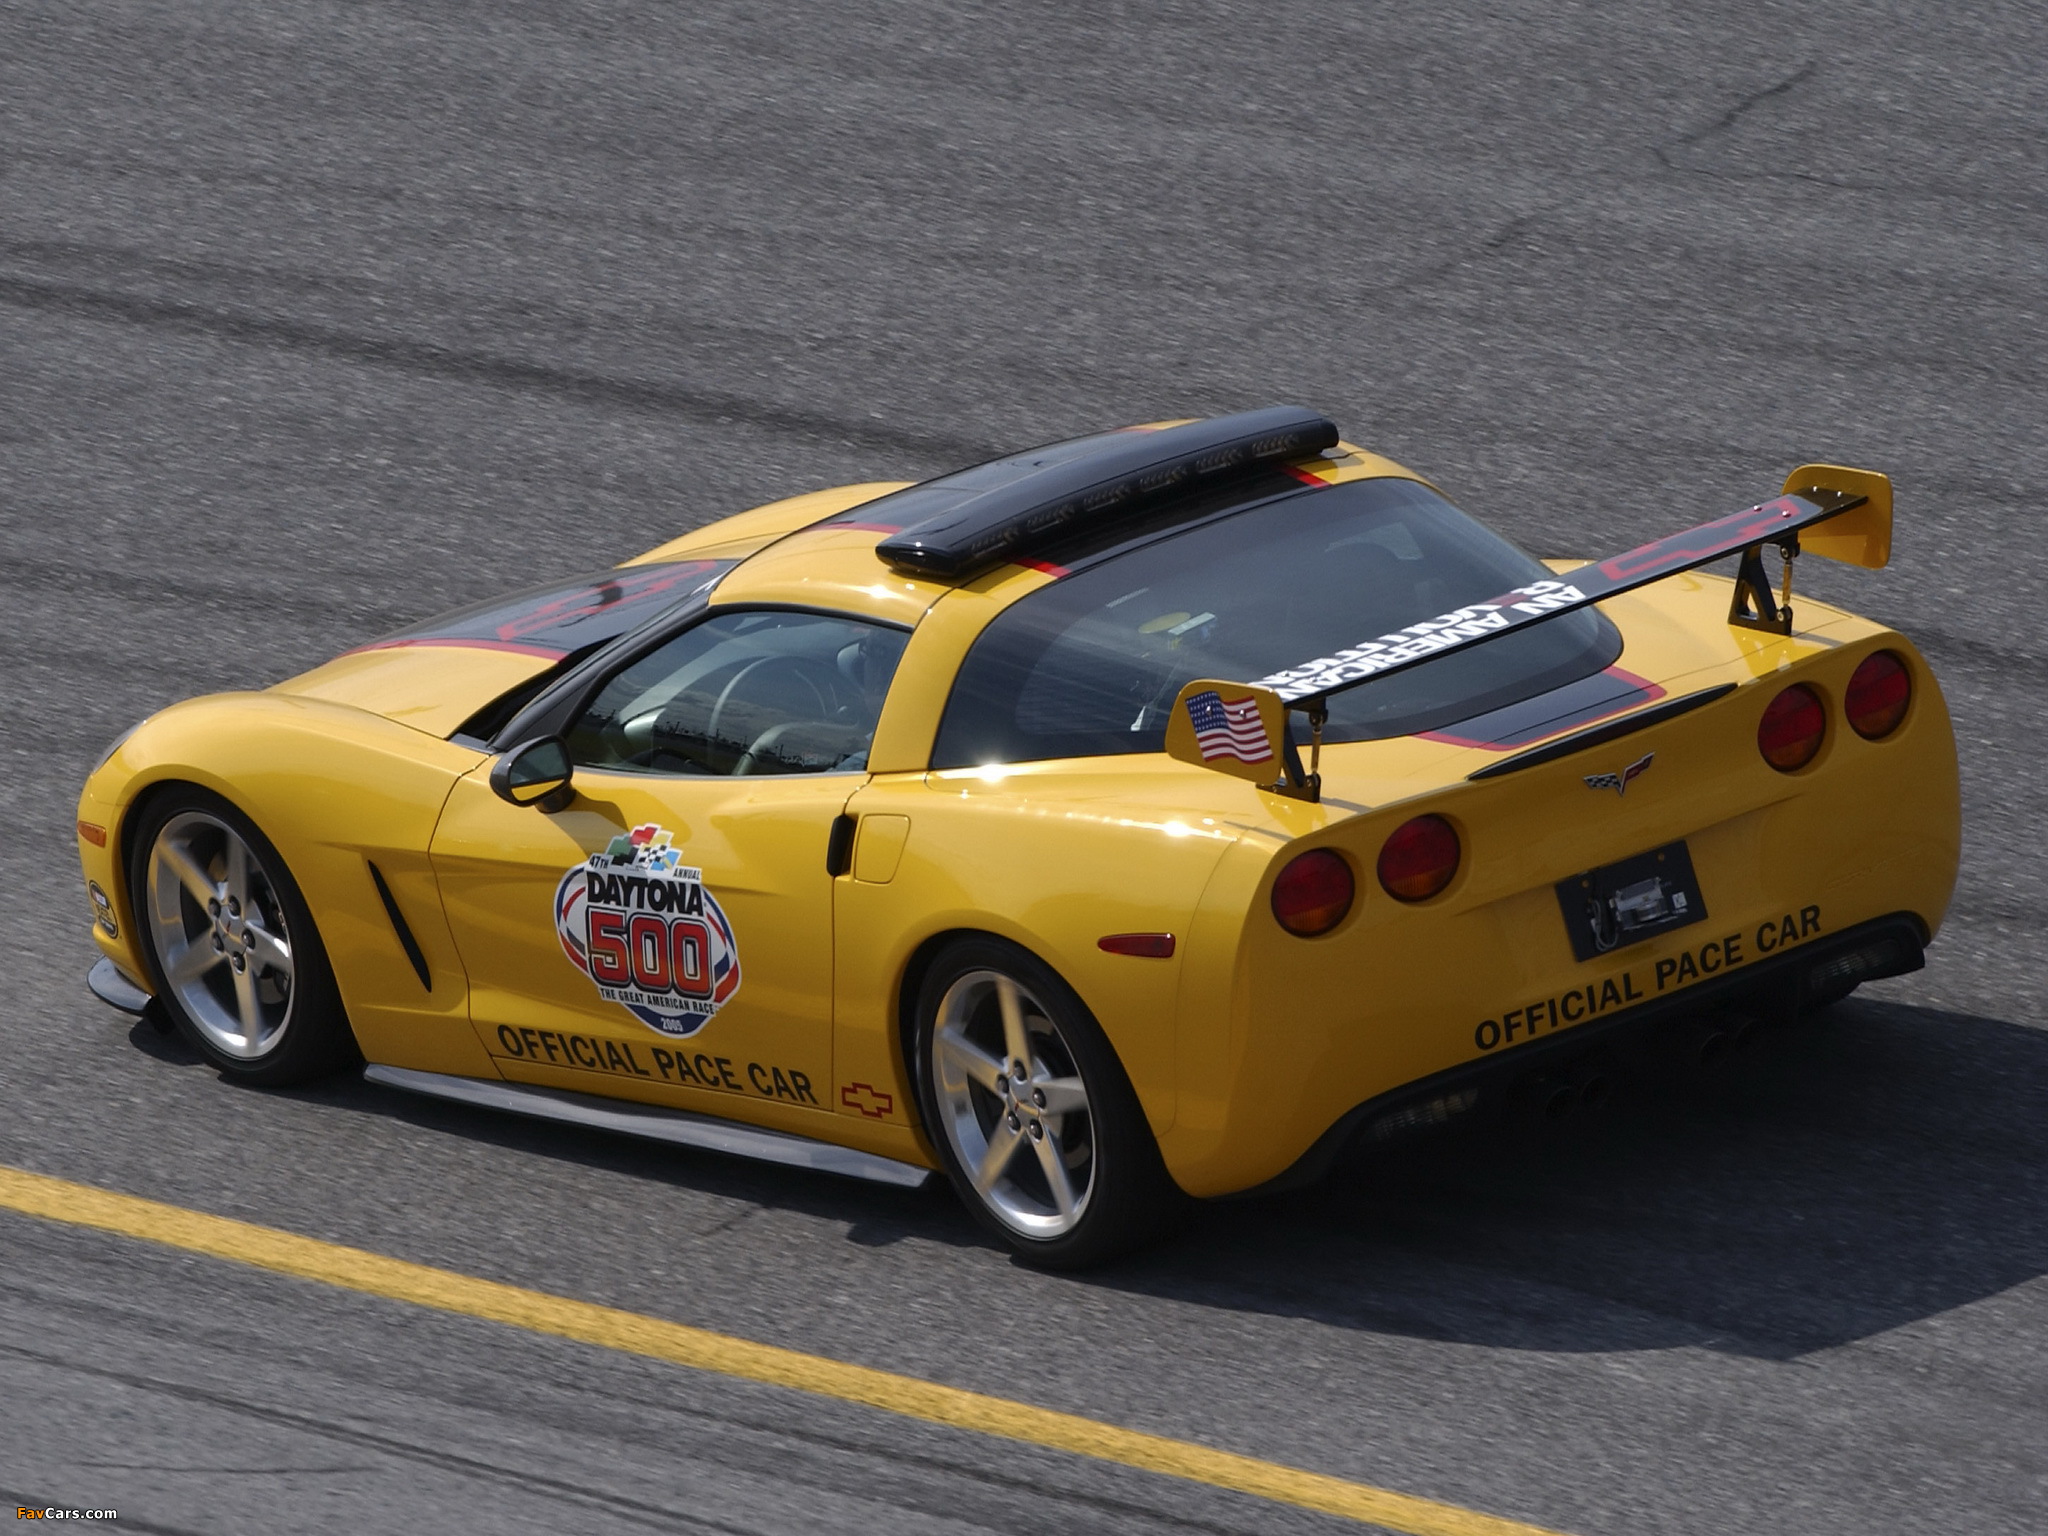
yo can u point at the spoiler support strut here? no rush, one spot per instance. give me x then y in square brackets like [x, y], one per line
[1751, 606]
[1294, 783]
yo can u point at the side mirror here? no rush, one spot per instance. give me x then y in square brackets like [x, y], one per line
[535, 773]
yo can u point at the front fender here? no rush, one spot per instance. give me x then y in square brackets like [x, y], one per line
[335, 789]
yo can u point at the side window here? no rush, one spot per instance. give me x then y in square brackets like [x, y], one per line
[746, 693]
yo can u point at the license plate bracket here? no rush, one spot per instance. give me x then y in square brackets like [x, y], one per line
[1634, 899]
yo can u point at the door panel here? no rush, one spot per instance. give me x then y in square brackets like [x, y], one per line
[668, 935]
[662, 939]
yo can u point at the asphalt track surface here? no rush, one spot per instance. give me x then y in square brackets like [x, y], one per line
[319, 318]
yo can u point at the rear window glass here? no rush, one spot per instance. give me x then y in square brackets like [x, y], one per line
[1090, 665]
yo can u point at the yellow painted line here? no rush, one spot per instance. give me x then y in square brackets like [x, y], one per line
[286, 1253]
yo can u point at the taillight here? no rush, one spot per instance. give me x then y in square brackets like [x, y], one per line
[1878, 695]
[1418, 858]
[1313, 893]
[1792, 728]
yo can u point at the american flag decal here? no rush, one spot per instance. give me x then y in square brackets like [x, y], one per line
[1228, 727]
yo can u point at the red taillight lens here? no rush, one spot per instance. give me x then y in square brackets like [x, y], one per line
[1792, 728]
[1418, 858]
[1878, 695]
[1313, 893]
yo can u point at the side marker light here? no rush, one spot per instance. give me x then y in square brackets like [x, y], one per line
[96, 835]
[1149, 946]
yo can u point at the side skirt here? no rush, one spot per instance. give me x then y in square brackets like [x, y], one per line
[670, 1125]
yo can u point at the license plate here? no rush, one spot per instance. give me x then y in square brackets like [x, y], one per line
[1616, 905]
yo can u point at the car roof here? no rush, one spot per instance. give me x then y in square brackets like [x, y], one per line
[809, 551]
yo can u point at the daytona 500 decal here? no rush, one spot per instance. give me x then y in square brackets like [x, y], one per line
[641, 925]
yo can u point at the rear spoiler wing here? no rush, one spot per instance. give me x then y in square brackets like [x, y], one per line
[1827, 509]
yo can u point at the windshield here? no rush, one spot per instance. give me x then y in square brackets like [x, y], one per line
[564, 617]
[1091, 664]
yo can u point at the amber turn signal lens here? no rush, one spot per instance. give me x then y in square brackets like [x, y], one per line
[1313, 893]
[1792, 729]
[1418, 858]
[93, 833]
[1878, 695]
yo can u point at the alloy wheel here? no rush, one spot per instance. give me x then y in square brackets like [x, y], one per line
[1013, 1104]
[219, 933]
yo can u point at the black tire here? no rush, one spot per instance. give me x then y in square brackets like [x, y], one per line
[1128, 1200]
[300, 1031]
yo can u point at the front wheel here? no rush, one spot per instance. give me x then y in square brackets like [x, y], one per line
[230, 943]
[1039, 1128]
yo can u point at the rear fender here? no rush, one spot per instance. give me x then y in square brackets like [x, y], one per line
[1050, 857]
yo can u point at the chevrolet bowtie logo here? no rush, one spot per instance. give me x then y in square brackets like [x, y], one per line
[1619, 782]
[871, 1102]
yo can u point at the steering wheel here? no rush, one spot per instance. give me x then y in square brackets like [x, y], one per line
[761, 756]
[816, 678]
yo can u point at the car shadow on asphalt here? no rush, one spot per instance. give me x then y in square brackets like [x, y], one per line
[1876, 1166]
[875, 1215]
[1862, 1171]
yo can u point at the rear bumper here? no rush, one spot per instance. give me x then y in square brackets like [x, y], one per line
[1775, 988]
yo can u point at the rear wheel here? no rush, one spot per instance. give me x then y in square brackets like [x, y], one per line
[234, 956]
[1039, 1128]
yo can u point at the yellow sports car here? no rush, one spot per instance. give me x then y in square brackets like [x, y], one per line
[1149, 815]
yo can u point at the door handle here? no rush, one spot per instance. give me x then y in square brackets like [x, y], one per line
[839, 846]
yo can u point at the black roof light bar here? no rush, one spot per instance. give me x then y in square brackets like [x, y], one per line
[1053, 494]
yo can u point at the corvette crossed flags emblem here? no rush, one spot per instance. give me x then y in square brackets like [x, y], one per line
[1619, 782]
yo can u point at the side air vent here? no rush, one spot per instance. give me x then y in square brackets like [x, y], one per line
[406, 941]
[991, 525]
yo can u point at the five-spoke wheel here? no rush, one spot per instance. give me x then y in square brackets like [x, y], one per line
[1039, 1128]
[1012, 1104]
[238, 964]
[219, 933]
